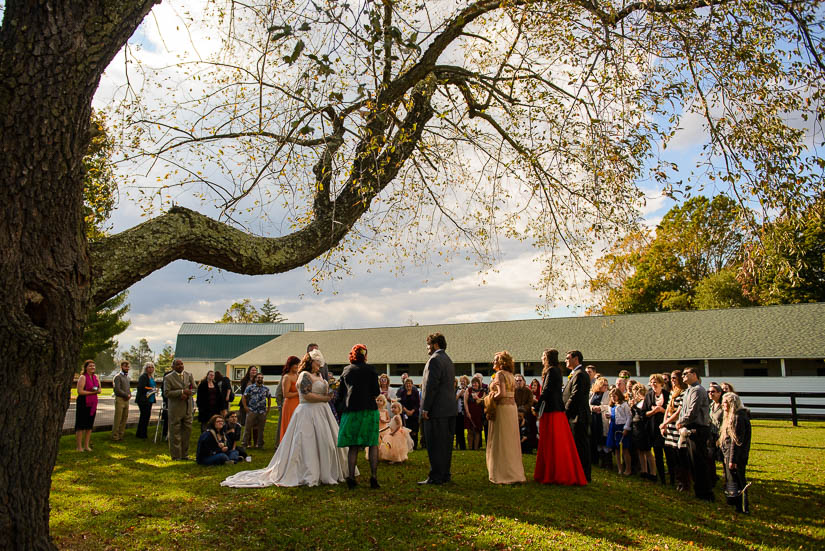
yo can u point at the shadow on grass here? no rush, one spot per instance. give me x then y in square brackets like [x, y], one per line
[131, 496]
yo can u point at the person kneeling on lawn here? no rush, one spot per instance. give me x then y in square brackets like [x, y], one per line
[212, 445]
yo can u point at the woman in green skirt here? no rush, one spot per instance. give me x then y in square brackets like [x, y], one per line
[359, 413]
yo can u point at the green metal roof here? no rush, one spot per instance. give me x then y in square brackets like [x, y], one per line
[272, 329]
[787, 331]
[224, 341]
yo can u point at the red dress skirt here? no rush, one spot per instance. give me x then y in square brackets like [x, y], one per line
[557, 461]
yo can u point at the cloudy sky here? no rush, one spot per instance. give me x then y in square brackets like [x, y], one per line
[372, 296]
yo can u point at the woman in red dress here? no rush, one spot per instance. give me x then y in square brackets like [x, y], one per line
[557, 461]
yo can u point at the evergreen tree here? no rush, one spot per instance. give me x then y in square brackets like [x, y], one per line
[270, 314]
[165, 358]
[103, 325]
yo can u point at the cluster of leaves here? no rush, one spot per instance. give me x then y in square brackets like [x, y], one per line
[99, 180]
[245, 312]
[547, 117]
[703, 255]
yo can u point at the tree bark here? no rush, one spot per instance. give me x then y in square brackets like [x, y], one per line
[51, 57]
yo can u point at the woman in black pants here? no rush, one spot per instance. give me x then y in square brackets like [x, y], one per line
[654, 406]
[145, 398]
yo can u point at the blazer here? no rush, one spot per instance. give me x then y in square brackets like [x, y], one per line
[576, 397]
[358, 388]
[551, 392]
[437, 393]
[173, 386]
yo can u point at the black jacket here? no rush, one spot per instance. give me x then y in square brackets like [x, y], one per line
[738, 454]
[438, 386]
[358, 388]
[202, 399]
[576, 397]
[140, 395]
[551, 392]
[656, 419]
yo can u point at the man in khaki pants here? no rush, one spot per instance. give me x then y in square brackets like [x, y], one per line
[178, 388]
[123, 394]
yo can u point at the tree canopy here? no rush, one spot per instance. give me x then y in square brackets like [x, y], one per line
[704, 255]
[245, 312]
[442, 126]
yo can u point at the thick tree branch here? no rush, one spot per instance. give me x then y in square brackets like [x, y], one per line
[121, 260]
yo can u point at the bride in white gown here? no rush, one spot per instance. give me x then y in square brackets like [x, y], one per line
[308, 454]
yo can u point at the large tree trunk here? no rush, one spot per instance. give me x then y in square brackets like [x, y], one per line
[51, 57]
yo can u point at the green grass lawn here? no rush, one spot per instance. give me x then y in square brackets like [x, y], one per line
[128, 495]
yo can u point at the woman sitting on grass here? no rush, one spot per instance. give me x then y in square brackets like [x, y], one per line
[212, 448]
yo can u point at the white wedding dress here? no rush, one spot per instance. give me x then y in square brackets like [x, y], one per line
[308, 454]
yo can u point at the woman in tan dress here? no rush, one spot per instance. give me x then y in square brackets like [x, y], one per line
[504, 441]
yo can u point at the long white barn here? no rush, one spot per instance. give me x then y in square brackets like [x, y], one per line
[770, 348]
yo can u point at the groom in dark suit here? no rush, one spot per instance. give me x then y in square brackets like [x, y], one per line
[438, 409]
[576, 398]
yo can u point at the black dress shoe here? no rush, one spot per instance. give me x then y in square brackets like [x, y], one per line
[374, 483]
[429, 481]
[351, 483]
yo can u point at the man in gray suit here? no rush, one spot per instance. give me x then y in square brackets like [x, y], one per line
[438, 409]
[178, 387]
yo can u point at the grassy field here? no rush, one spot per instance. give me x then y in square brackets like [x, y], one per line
[128, 495]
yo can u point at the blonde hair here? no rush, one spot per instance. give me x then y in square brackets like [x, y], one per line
[597, 384]
[381, 398]
[657, 378]
[506, 361]
[731, 403]
[396, 403]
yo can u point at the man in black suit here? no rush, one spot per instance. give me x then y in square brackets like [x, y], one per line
[576, 397]
[438, 409]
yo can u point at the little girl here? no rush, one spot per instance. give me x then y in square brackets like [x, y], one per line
[383, 427]
[618, 438]
[398, 442]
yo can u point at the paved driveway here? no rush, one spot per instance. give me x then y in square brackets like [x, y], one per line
[106, 414]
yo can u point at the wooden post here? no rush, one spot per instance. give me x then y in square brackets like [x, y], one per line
[782, 365]
[707, 369]
[638, 369]
[793, 410]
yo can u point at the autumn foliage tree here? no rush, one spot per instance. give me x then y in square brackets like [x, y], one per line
[351, 123]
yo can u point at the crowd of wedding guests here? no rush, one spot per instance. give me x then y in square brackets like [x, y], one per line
[672, 431]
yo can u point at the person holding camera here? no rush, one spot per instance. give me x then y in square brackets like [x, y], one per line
[88, 387]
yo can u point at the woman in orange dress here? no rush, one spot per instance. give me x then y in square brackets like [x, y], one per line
[289, 381]
[504, 464]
